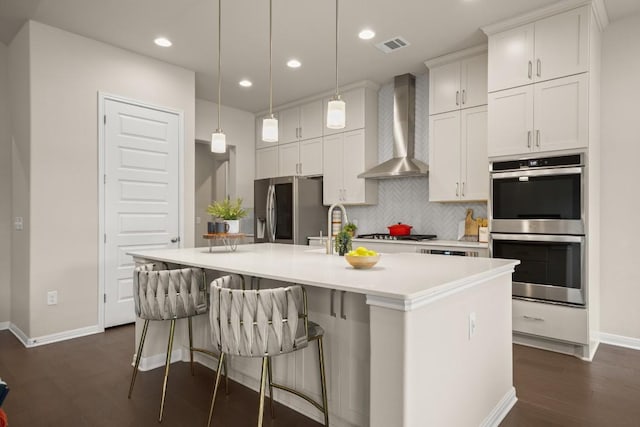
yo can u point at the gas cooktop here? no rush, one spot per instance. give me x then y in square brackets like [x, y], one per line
[385, 236]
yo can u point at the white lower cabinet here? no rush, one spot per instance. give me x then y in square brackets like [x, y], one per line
[267, 162]
[546, 116]
[458, 162]
[346, 352]
[300, 158]
[551, 321]
[345, 156]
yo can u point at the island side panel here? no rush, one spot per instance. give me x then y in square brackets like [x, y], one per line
[425, 370]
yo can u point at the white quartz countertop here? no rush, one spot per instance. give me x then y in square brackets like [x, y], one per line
[434, 242]
[402, 276]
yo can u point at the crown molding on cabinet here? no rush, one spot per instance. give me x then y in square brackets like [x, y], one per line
[455, 56]
[598, 7]
[343, 88]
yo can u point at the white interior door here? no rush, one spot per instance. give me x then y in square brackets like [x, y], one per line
[141, 196]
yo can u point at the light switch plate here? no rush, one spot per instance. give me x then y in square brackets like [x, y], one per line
[18, 223]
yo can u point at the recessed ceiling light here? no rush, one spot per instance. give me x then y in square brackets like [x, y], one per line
[163, 41]
[367, 34]
[245, 83]
[293, 63]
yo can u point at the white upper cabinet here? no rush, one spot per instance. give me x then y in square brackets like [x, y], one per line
[302, 158]
[300, 123]
[547, 116]
[346, 155]
[458, 162]
[547, 49]
[267, 162]
[458, 84]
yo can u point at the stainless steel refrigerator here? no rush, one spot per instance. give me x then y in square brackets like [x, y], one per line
[288, 209]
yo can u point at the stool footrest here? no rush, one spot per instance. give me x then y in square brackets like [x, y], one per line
[299, 394]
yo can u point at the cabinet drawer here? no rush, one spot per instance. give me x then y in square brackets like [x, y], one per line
[551, 321]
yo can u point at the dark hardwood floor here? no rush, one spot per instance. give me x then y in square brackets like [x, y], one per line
[84, 382]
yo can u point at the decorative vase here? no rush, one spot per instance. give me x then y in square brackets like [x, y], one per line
[234, 226]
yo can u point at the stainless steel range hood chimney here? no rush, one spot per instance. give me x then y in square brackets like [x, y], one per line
[403, 163]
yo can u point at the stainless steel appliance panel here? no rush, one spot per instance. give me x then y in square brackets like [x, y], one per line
[288, 209]
[552, 267]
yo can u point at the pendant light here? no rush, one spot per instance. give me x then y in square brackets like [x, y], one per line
[336, 109]
[270, 124]
[218, 138]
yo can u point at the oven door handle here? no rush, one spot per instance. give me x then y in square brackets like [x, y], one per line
[537, 172]
[538, 238]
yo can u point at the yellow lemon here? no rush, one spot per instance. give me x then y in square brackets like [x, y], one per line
[362, 251]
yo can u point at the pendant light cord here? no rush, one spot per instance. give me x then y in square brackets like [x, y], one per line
[270, 56]
[337, 48]
[219, 58]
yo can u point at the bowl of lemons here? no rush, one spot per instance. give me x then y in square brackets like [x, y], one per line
[362, 258]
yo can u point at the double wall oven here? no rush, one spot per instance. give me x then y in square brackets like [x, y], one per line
[537, 216]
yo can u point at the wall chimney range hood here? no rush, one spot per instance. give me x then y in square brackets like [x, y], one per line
[403, 164]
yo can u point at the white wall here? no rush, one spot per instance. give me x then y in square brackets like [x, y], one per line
[67, 72]
[239, 126]
[620, 281]
[20, 106]
[5, 188]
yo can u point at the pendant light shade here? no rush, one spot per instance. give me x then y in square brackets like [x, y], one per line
[270, 123]
[218, 142]
[336, 109]
[336, 113]
[218, 138]
[270, 129]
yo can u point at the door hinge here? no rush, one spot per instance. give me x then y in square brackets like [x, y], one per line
[105, 178]
[105, 119]
[105, 298]
[105, 237]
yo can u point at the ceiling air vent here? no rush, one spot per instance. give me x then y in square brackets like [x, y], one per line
[392, 44]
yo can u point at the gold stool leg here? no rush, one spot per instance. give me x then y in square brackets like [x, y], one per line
[270, 375]
[190, 343]
[166, 367]
[221, 360]
[323, 382]
[138, 356]
[263, 380]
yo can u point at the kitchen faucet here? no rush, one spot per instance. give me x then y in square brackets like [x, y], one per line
[329, 228]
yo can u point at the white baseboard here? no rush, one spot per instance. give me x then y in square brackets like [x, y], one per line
[51, 338]
[4, 325]
[620, 340]
[501, 409]
[157, 360]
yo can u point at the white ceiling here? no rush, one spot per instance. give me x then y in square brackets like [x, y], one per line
[303, 29]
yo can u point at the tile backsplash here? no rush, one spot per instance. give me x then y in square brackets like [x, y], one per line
[407, 199]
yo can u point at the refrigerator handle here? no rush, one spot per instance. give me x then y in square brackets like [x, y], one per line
[269, 216]
[274, 210]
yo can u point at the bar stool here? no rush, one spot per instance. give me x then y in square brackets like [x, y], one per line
[167, 295]
[263, 323]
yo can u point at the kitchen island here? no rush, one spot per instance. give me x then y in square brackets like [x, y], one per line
[436, 341]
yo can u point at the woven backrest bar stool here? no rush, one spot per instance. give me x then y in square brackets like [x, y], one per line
[167, 295]
[263, 323]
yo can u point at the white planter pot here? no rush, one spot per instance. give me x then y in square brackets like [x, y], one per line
[234, 226]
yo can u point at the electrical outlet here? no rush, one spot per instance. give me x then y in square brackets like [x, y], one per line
[52, 297]
[472, 324]
[18, 223]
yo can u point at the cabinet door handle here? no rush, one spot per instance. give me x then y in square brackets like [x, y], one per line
[457, 97]
[538, 138]
[457, 189]
[538, 67]
[530, 69]
[464, 96]
[332, 310]
[528, 139]
[462, 188]
[343, 315]
[300, 168]
[537, 319]
[300, 133]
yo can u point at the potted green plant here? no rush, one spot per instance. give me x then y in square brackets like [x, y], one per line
[229, 211]
[350, 228]
[343, 243]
